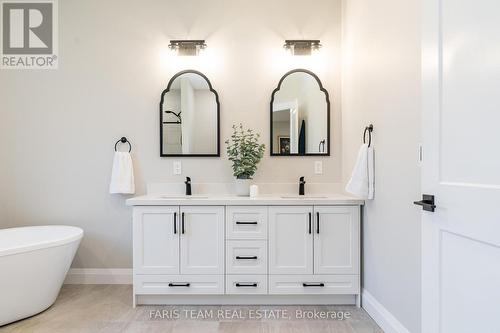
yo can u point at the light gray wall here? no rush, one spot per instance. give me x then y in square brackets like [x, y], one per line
[3, 169]
[381, 85]
[58, 127]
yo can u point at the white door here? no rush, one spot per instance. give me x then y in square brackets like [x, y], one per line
[202, 239]
[461, 166]
[290, 240]
[156, 240]
[336, 240]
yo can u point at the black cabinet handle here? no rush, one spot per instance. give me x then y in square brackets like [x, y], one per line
[253, 285]
[182, 222]
[246, 257]
[313, 284]
[242, 222]
[317, 222]
[310, 222]
[179, 284]
[175, 223]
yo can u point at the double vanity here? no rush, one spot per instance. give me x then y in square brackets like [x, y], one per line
[289, 249]
[241, 250]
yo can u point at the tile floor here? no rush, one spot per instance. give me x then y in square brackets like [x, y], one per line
[107, 308]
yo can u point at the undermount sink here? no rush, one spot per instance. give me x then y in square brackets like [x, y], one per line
[304, 197]
[183, 197]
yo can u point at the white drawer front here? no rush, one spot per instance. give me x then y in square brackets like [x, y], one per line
[246, 284]
[179, 284]
[313, 284]
[246, 222]
[246, 257]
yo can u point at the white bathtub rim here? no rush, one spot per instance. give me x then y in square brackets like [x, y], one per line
[24, 248]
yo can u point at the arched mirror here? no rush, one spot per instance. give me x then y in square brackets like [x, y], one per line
[189, 116]
[300, 116]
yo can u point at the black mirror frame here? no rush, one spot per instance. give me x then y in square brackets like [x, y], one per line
[327, 111]
[217, 154]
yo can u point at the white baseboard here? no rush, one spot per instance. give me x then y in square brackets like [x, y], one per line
[99, 276]
[381, 315]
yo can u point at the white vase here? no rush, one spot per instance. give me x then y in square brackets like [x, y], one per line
[243, 187]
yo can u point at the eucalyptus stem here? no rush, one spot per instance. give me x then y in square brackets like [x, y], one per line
[244, 150]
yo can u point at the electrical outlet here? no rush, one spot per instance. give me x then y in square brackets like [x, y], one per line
[318, 167]
[177, 166]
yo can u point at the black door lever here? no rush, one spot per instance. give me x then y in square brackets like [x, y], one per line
[427, 203]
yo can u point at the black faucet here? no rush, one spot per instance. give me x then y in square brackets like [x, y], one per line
[301, 186]
[188, 185]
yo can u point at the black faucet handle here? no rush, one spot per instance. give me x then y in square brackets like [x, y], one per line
[301, 186]
[188, 186]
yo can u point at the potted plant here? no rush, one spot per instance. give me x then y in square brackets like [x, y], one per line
[244, 150]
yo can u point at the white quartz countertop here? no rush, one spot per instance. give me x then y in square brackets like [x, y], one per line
[228, 200]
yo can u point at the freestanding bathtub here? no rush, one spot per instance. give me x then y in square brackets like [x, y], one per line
[33, 264]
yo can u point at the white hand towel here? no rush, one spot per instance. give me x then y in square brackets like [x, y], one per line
[362, 178]
[122, 175]
[371, 174]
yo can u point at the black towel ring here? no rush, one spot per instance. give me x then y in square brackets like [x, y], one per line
[124, 140]
[368, 129]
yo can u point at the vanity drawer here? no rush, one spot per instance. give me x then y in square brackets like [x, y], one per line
[246, 222]
[246, 284]
[246, 257]
[313, 284]
[179, 284]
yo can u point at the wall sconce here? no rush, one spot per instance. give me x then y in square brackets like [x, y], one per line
[302, 47]
[187, 47]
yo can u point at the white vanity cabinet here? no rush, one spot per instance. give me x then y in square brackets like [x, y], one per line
[201, 240]
[244, 251]
[291, 240]
[156, 240]
[314, 250]
[179, 240]
[178, 250]
[336, 240]
[314, 240]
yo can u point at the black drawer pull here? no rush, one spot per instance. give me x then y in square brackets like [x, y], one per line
[182, 222]
[179, 284]
[317, 222]
[246, 257]
[253, 285]
[242, 222]
[313, 284]
[310, 218]
[175, 222]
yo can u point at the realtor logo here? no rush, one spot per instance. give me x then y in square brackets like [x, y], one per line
[29, 34]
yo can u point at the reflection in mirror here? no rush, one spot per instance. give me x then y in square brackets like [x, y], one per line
[189, 116]
[300, 116]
